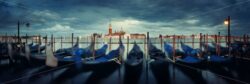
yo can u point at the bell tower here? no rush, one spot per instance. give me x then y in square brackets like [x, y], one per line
[110, 29]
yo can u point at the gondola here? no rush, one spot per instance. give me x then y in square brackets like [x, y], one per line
[100, 61]
[133, 65]
[39, 58]
[155, 53]
[213, 57]
[4, 50]
[12, 51]
[190, 57]
[17, 53]
[36, 48]
[135, 56]
[66, 51]
[88, 52]
[218, 59]
[111, 56]
[77, 59]
[187, 49]
[240, 49]
[209, 49]
[223, 50]
[60, 53]
[85, 52]
[31, 44]
[169, 51]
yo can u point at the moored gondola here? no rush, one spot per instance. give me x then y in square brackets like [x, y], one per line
[190, 58]
[155, 53]
[51, 60]
[135, 56]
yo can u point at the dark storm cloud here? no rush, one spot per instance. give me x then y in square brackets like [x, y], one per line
[91, 15]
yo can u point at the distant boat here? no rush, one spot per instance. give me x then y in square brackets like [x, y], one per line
[135, 56]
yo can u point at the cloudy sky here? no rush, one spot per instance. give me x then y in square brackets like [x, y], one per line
[84, 17]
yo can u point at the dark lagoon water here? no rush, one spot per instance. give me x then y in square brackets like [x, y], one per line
[151, 72]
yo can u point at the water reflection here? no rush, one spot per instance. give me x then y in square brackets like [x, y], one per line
[68, 74]
[194, 74]
[132, 74]
[100, 72]
[13, 71]
[160, 71]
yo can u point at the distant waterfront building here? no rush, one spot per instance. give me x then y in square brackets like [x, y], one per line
[122, 33]
[116, 34]
[137, 36]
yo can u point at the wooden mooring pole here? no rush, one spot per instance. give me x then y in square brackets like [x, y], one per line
[52, 43]
[247, 38]
[26, 39]
[200, 40]
[54, 46]
[216, 42]
[37, 38]
[72, 39]
[147, 45]
[93, 50]
[161, 41]
[204, 39]
[145, 49]
[6, 38]
[244, 39]
[226, 41]
[46, 41]
[110, 44]
[219, 51]
[207, 43]
[127, 44]
[39, 43]
[192, 40]
[174, 48]
[61, 41]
